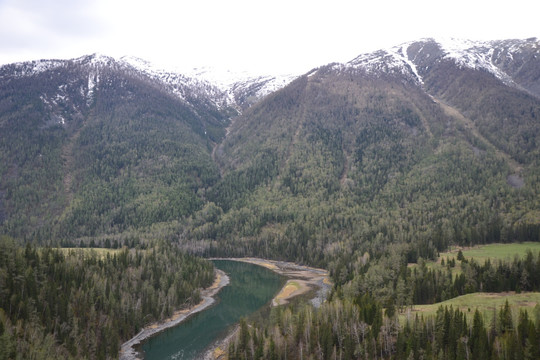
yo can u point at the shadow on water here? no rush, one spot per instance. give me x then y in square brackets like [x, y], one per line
[250, 288]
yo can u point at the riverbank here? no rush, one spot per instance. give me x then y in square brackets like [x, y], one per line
[301, 279]
[128, 351]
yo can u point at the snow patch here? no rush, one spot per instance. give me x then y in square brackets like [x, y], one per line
[31, 68]
[231, 81]
[182, 86]
[93, 79]
[480, 55]
[473, 55]
[95, 60]
[389, 61]
[405, 58]
[483, 55]
[217, 84]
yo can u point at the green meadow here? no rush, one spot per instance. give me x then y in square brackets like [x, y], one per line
[480, 253]
[493, 251]
[486, 303]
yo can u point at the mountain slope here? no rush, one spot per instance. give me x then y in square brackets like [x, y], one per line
[361, 168]
[243, 88]
[429, 142]
[501, 110]
[94, 146]
[414, 145]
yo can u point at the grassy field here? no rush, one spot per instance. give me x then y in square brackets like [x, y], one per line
[486, 303]
[494, 251]
[100, 252]
[480, 253]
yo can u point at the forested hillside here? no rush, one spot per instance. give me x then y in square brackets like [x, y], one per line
[358, 330]
[369, 169]
[91, 147]
[343, 162]
[377, 164]
[80, 304]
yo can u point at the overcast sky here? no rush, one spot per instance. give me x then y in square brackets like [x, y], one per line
[278, 36]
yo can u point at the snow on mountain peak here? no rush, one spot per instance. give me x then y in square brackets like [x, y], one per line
[224, 79]
[220, 87]
[229, 80]
[138, 63]
[30, 68]
[95, 60]
[473, 55]
[240, 85]
[391, 60]
[484, 55]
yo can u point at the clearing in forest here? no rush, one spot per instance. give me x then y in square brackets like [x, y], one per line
[481, 253]
[486, 303]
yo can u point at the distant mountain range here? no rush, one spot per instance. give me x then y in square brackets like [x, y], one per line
[439, 137]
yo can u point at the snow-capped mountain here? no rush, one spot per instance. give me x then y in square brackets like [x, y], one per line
[244, 87]
[222, 89]
[183, 86]
[74, 123]
[247, 92]
[146, 134]
[68, 89]
[510, 61]
[390, 61]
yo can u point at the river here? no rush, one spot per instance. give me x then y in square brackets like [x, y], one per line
[251, 287]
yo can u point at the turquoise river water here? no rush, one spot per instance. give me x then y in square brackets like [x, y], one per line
[251, 287]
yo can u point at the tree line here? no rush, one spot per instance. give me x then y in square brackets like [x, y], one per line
[344, 329]
[76, 303]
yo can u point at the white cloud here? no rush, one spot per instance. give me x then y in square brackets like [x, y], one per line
[46, 28]
[281, 35]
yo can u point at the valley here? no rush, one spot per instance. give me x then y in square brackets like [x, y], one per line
[365, 174]
[251, 287]
[129, 348]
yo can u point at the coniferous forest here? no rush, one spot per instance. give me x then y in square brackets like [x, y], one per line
[115, 185]
[87, 301]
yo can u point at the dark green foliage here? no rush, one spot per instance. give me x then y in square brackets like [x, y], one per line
[92, 151]
[338, 330]
[234, 187]
[391, 281]
[367, 183]
[359, 164]
[75, 304]
[356, 172]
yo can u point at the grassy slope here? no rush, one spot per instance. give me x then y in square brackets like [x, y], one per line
[494, 251]
[480, 253]
[486, 303]
[100, 252]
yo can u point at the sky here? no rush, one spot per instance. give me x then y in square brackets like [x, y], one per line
[266, 37]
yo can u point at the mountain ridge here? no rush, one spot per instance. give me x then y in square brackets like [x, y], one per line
[354, 151]
[364, 168]
[491, 56]
[223, 86]
[369, 130]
